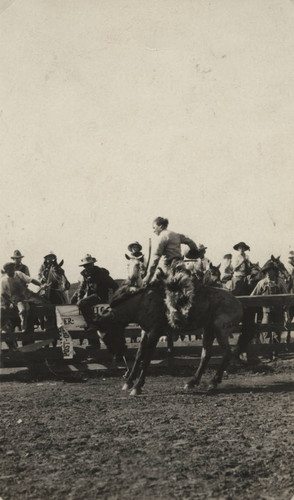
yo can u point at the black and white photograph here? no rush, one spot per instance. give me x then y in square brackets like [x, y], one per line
[147, 249]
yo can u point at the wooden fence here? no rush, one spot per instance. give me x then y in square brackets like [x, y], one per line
[37, 348]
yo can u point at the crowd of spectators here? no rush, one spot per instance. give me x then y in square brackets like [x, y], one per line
[96, 283]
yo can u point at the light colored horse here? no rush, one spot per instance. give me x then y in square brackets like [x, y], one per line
[135, 271]
[58, 286]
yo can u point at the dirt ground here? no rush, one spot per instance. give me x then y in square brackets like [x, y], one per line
[73, 441]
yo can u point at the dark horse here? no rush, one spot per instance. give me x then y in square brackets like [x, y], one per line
[212, 277]
[215, 310]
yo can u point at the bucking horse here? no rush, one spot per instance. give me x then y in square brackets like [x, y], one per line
[215, 310]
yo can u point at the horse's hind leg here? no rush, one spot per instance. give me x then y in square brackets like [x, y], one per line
[223, 328]
[220, 371]
[205, 357]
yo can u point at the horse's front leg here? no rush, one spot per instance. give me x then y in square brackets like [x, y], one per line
[135, 368]
[145, 362]
[205, 357]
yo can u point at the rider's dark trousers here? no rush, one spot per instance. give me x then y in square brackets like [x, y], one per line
[86, 308]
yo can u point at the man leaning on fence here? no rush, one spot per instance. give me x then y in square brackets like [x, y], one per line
[93, 290]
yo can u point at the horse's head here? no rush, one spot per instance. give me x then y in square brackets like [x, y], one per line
[280, 266]
[212, 275]
[56, 277]
[134, 271]
[254, 276]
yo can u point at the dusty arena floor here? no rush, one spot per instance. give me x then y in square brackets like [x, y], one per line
[73, 441]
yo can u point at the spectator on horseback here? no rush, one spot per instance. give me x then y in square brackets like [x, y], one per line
[94, 289]
[50, 259]
[227, 268]
[136, 264]
[52, 273]
[19, 266]
[168, 248]
[291, 272]
[241, 268]
[272, 284]
[15, 293]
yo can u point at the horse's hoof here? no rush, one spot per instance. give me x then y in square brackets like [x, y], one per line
[125, 387]
[135, 392]
[188, 387]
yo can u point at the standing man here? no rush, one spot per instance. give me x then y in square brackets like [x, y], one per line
[19, 266]
[93, 290]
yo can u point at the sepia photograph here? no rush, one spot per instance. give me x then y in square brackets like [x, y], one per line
[147, 249]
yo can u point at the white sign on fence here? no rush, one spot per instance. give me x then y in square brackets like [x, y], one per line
[65, 337]
[72, 319]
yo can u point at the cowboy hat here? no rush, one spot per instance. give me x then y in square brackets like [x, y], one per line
[88, 259]
[269, 265]
[17, 255]
[132, 244]
[291, 254]
[228, 256]
[50, 253]
[201, 247]
[241, 244]
[191, 254]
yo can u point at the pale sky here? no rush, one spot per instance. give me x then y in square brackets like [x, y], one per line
[114, 112]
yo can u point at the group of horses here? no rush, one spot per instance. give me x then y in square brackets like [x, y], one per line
[214, 309]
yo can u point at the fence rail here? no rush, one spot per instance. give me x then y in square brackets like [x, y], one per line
[132, 332]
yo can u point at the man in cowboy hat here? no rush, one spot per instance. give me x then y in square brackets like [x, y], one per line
[241, 268]
[19, 266]
[136, 264]
[93, 290]
[134, 251]
[272, 284]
